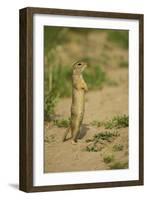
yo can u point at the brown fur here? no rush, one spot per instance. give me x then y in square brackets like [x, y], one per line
[79, 87]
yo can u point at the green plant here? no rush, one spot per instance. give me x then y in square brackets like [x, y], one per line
[61, 80]
[108, 159]
[119, 165]
[55, 73]
[92, 148]
[117, 122]
[54, 36]
[99, 140]
[102, 136]
[62, 122]
[97, 123]
[119, 37]
[95, 77]
[118, 147]
[50, 101]
[61, 86]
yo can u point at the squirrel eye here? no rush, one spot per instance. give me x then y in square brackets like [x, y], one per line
[79, 63]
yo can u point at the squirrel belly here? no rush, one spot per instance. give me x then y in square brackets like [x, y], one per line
[78, 101]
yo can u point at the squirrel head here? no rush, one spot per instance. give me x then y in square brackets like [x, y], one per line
[79, 67]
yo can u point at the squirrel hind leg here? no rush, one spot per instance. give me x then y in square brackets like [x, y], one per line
[76, 133]
[65, 134]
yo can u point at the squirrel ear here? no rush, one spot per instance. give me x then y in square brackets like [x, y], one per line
[73, 64]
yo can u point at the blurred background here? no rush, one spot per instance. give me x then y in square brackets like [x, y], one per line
[105, 51]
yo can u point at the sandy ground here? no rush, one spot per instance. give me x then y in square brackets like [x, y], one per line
[100, 105]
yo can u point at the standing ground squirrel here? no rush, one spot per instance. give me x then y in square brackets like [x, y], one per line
[79, 87]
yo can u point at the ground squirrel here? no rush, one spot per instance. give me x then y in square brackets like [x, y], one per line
[79, 87]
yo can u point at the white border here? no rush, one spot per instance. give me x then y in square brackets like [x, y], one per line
[132, 173]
